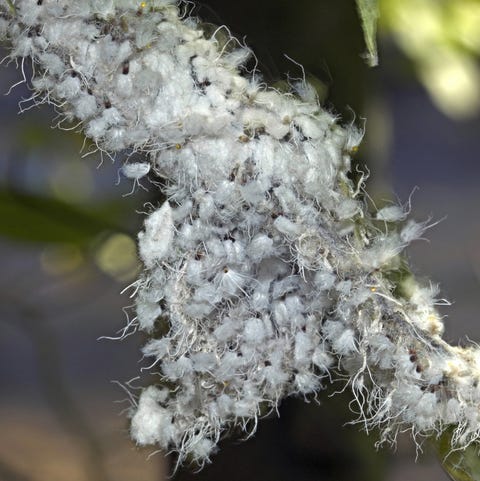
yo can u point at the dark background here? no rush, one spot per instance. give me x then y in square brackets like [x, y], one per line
[62, 273]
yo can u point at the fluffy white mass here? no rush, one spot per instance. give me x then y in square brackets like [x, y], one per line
[265, 274]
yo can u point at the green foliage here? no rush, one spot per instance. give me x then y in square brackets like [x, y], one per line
[462, 464]
[11, 6]
[441, 40]
[35, 218]
[368, 10]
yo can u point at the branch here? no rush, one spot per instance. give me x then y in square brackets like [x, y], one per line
[265, 273]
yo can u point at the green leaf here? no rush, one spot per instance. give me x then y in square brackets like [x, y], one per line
[460, 464]
[33, 218]
[11, 6]
[368, 10]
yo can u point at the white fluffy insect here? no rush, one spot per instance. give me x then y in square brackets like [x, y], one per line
[264, 262]
[391, 213]
[136, 171]
[154, 243]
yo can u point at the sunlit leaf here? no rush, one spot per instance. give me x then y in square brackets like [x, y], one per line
[368, 10]
[117, 256]
[449, 29]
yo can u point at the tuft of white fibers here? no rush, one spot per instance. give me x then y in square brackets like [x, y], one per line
[391, 213]
[136, 170]
[413, 230]
[265, 275]
[150, 422]
[254, 331]
[154, 243]
[345, 343]
[147, 313]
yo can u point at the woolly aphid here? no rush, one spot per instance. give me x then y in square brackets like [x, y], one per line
[264, 275]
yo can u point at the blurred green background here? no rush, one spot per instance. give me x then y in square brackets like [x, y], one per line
[67, 235]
